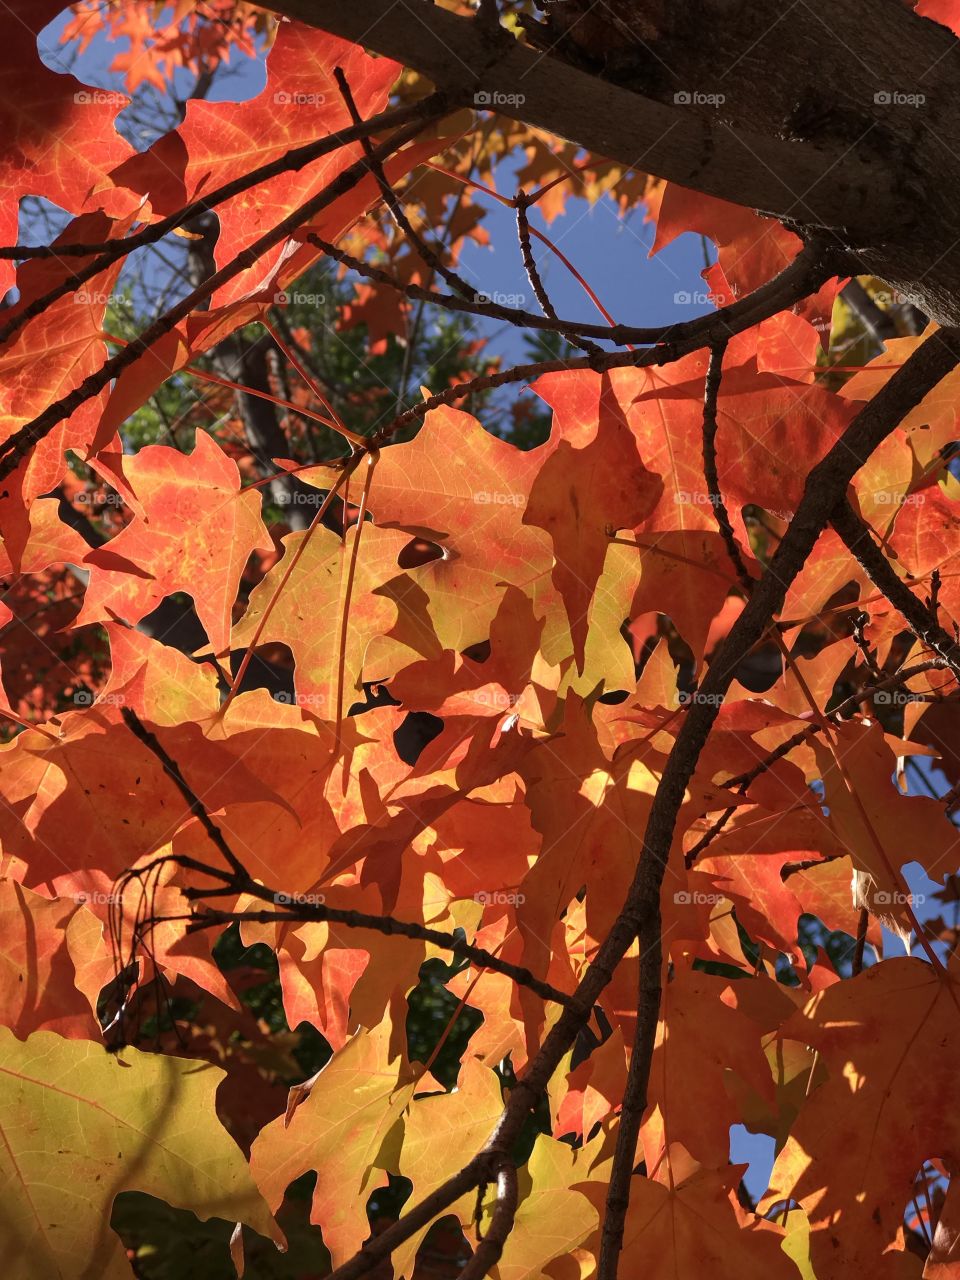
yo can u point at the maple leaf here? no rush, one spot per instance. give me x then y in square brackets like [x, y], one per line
[135, 1122]
[882, 828]
[327, 616]
[340, 1124]
[60, 136]
[686, 574]
[437, 1130]
[865, 1131]
[220, 140]
[689, 1070]
[693, 1225]
[49, 356]
[591, 483]
[37, 979]
[196, 534]
[553, 1218]
[465, 490]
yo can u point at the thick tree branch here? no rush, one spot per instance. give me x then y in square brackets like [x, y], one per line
[825, 487]
[821, 185]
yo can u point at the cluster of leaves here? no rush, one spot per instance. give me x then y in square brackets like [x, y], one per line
[390, 882]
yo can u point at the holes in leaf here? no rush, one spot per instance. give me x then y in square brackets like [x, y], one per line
[419, 551]
[419, 728]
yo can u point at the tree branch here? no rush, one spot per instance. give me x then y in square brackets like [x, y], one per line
[858, 539]
[107, 253]
[490, 1249]
[825, 487]
[20, 442]
[710, 394]
[806, 273]
[306, 912]
[795, 180]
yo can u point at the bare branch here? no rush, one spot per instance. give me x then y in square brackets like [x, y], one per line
[858, 538]
[808, 267]
[195, 804]
[490, 1249]
[808, 271]
[522, 202]
[431, 257]
[710, 394]
[299, 912]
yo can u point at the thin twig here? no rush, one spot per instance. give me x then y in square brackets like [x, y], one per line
[107, 252]
[16, 446]
[858, 538]
[806, 272]
[295, 910]
[522, 201]
[426, 251]
[196, 806]
[743, 781]
[711, 394]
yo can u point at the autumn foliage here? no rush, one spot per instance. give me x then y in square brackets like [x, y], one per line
[518, 795]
